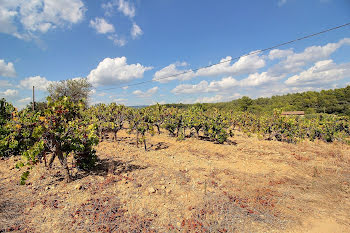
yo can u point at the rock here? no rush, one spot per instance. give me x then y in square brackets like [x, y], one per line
[151, 190]
[47, 188]
[178, 224]
[163, 187]
[78, 187]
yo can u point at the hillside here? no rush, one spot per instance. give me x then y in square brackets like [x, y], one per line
[335, 101]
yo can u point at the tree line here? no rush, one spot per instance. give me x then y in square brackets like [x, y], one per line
[334, 101]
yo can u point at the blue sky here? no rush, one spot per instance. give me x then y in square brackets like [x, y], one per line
[121, 42]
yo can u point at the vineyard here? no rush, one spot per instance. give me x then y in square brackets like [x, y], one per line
[82, 139]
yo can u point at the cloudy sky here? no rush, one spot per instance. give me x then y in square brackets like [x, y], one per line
[117, 43]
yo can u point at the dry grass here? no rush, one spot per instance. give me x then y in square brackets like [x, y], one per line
[187, 186]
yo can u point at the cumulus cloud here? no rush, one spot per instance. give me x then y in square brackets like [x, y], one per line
[25, 100]
[245, 65]
[294, 62]
[147, 93]
[108, 7]
[23, 19]
[114, 71]
[258, 79]
[223, 84]
[322, 72]
[120, 100]
[7, 70]
[226, 84]
[101, 26]
[10, 93]
[5, 83]
[191, 89]
[213, 99]
[117, 40]
[278, 53]
[127, 8]
[171, 72]
[136, 31]
[40, 83]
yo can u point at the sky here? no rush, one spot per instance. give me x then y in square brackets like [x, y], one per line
[116, 44]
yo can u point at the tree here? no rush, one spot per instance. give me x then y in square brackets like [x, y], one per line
[77, 89]
[245, 102]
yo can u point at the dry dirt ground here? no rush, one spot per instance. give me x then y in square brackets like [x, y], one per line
[248, 185]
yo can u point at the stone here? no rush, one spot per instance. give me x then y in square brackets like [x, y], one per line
[151, 190]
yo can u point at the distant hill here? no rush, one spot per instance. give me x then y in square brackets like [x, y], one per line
[139, 106]
[334, 101]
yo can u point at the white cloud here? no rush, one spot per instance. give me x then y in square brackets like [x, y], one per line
[136, 31]
[108, 7]
[322, 72]
[245, 65]
[25, 100]
[120, 101]
[126, 8]
[117, 40]
[5, 83]
[295, 61]
[146, 94]
[171, 72]
[223, 84]
[281, 2]
[10, 93]
[23, 19]
[226, 84]
[7, 70]
[213, 99]
[258, 79]
[40, 83]
[114, 71]
[278, 53]
[191, 89]
[101, 26]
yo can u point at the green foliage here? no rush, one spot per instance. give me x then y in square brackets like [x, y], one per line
[24, 177]
[60, 130]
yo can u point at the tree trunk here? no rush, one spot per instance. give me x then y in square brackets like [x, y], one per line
[197, 131]
[137, 138]
[101, 135]
[64, 163]
[44, 155]
[158, 128]
[144, 142]
[115, 135]
[52, 159]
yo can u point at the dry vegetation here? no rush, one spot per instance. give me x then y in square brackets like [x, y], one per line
[249, 185]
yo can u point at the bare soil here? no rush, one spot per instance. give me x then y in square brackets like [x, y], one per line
[248, 185]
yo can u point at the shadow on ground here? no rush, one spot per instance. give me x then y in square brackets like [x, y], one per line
[108, 166]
